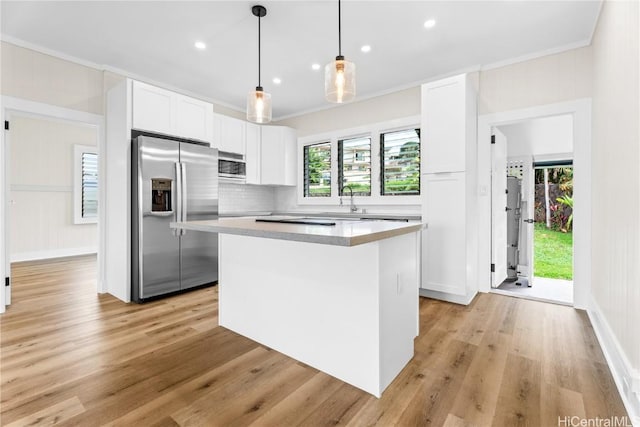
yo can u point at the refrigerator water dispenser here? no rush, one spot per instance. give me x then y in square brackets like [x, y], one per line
[160, 195]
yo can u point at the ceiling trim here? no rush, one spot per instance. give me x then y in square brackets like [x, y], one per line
[101, 67]
[170, 87]
[511, 61]
[535, 55]
[49, 52]
[125, 73]
[389, 91]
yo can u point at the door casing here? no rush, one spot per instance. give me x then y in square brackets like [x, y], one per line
[16, 106]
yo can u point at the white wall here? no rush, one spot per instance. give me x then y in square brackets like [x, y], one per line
[540, 138]
[34, 76]
[541, 87]
[616, 188]
[41, 183]
[546, 80]
[383, 108]
[549, 79]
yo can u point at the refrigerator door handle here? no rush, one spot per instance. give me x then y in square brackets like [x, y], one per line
[177, 231]
[161, 214]
[183, 194]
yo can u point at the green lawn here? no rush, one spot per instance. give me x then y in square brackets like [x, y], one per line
[553, 253]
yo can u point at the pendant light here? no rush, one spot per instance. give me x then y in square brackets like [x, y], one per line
[259, 101]
[340, 75]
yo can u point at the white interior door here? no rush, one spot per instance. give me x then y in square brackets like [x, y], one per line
[498, 208]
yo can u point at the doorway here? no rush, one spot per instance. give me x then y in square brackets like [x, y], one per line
[532, 209]
[51, 196]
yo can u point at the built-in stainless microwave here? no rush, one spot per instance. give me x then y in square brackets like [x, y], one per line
[231, 167]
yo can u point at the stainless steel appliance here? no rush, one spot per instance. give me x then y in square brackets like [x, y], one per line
[232, 167]
[172, 181]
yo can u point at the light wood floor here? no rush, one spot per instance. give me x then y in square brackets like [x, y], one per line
[72, 357]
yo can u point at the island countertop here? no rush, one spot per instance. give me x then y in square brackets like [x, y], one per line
[345, 232]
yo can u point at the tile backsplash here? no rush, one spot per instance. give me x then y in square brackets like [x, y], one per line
[244, 198]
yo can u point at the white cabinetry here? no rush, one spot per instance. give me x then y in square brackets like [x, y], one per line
[229, 134]
[278, 158]
[445, 138]
[161, 111]
[449, 196]
[444, 240]
[271, 155]
[252, 156]
[153, 108]
[136, 105]
[194, 119]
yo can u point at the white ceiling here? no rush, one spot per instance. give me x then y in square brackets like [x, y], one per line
[154, 40]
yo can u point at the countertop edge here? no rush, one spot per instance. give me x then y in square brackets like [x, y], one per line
[301, 237]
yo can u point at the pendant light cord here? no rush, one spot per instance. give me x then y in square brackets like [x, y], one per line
[339, 30]
[259, 64]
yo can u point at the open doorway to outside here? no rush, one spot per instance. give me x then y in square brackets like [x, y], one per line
[553, 229]
[532, 177]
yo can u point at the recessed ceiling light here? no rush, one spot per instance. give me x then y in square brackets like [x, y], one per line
[315, 67]
[200, 45]
[277, 80]
[366, 48]
[430, 23]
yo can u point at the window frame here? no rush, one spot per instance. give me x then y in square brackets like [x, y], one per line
[340, 161]
[373, 130]
[304, 169]
[78, 151]
[381, 154]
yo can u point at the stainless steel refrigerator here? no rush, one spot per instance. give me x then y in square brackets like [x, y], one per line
[172, 181]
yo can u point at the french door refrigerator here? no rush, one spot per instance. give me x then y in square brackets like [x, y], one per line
[172, 181]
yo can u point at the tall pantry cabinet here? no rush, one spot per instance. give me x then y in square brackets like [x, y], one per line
[449, 189]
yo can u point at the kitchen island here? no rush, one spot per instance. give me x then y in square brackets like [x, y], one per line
[340, 295]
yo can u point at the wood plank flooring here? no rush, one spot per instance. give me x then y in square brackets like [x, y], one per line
[72, 357]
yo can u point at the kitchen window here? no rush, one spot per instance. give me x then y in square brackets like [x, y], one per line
[379, 162]
[400, 163]
[317, 170]
[85, 184]
[354, 166]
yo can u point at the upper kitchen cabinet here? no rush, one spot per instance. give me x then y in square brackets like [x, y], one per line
[271, 155]
[162, 111]
[229, 134]
[448, 124]
[278, 156]
[194, 119]
[153, 109]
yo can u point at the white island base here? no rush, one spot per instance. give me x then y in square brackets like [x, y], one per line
[349, 311]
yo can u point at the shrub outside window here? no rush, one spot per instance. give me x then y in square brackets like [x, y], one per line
[317, 170]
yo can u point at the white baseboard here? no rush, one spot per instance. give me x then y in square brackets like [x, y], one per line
[627, 378]
[55, 253]
[456, 299]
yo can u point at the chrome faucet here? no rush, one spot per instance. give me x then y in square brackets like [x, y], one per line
[352, 206]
